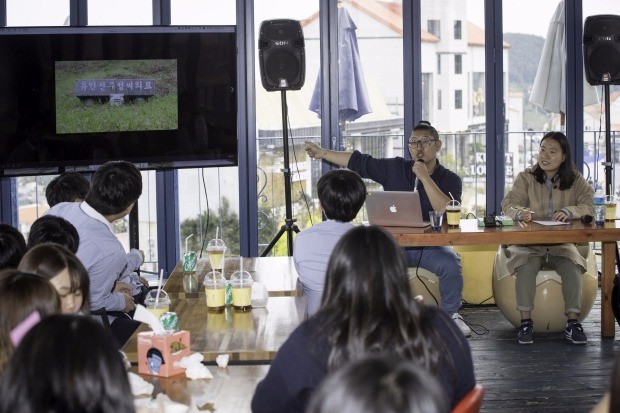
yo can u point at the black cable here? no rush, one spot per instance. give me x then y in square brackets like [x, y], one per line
[206, 227]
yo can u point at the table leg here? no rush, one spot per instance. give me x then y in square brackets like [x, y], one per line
[608, 271]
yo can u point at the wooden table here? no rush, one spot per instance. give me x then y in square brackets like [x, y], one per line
[230, 391]
[277, 273]
[469, 233]
[255, 335]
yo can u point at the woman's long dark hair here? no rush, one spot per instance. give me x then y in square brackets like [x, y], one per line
[66, 363]
[367, 303]
[567, 168]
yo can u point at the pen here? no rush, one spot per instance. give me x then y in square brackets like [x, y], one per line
[520, 209]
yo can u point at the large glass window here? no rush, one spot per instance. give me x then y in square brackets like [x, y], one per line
[462, 152]
[37, 12]
[120, 13]
[200, 12]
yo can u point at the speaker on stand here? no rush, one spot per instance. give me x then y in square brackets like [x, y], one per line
[282, 65]
[601, 57]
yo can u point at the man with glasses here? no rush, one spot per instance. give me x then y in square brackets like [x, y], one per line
[436, 185]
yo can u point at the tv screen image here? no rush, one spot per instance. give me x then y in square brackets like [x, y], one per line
[160, 97]
[116, 96]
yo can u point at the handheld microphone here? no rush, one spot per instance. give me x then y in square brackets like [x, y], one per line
[586, 219]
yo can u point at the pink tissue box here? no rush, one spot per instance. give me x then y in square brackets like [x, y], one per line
[157, 353]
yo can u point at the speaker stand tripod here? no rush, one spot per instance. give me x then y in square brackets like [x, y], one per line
[289, 222]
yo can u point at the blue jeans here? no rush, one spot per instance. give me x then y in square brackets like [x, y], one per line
[446, 265]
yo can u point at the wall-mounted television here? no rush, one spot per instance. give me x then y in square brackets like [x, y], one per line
[156, 96]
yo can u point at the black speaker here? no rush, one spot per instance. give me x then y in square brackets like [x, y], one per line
[281, 55]
[601, 49]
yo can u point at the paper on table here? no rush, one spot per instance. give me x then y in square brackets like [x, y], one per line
[552, 223]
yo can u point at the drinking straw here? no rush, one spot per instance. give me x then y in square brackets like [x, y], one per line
[450, 193]
[161, 281]
[186, 239]
[217, 232]
[240, 264]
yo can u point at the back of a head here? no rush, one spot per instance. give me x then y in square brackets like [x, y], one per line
[51, 228]
[342, 194]
[67, 187]
[115, 186]
[367, 268]
[379, 385]
[66, 363]
[22, 293]
[12, 246]
[48, 260]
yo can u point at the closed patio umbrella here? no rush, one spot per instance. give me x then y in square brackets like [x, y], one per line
[548, 90]
[353, 100]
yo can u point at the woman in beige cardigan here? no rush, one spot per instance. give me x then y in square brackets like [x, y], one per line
[552, 189]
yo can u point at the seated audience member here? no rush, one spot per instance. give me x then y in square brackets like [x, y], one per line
[65, 272]
[50, 228]
[115, 188]
[66, 364]
[67, 187]
[379, 384]
[341, 194]
[21, 294]
[12, 246]
[367, 309]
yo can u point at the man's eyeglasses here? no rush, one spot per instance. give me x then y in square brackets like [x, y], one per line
[424, 143]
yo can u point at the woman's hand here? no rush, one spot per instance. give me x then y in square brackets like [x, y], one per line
[560, 216]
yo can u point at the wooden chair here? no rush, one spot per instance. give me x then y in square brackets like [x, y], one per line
[471, 402]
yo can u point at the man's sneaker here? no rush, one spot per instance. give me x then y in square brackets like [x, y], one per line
[526, 331]
[458, 319]
[574, 333]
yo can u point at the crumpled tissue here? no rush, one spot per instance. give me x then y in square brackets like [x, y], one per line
[222, 360]
[139, 386]
[194, 369]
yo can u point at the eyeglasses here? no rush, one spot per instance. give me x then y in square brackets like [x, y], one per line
[424, 143]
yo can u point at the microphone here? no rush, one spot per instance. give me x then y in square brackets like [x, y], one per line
[586, 219]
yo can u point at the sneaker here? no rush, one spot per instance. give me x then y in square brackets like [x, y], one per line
[526, 333]
[458, 319]
[574, 333]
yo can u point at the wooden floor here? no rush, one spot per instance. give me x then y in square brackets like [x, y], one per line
[551, 375]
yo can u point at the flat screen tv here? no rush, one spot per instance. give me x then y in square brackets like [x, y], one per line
[159, 97]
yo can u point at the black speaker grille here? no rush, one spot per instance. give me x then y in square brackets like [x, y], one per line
[281, 54]
[601, 49]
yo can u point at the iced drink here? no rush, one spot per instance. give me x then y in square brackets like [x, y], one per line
[214, 285]
[216, 250]
[453, 213]
[242, 290]
[157, 306]
[610, 208]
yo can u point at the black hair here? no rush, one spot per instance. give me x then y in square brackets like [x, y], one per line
[425, 125]
[12, 246]
[367, 302]
[66, 187]
[567, 169]
[51, 228]
[379, 384]
[48, 260]
[83, 370]
[155, 352]
[22, 293]
[342, 194]
[115, 186]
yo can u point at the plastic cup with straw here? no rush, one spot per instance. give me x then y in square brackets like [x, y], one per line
[157, 301]
[453, 212]
[216, 248]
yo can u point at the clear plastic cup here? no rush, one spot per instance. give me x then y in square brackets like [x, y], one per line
[436, 218]
[157, 306]
[216, 248]
[453, 213]
[215, 286]
[610, 208]
[241, 282]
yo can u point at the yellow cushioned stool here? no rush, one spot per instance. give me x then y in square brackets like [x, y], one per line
[548, 313]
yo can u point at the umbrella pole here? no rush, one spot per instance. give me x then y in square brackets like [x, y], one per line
[289, 222]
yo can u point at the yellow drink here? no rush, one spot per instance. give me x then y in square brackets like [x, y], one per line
[159, 310]
[610, 211]
[215, 298]
[216, 255]
[242, 297]
[453, 215]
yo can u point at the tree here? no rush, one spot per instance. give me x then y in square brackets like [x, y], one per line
[204, 228]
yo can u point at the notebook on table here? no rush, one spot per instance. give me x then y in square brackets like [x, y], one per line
[395, 209]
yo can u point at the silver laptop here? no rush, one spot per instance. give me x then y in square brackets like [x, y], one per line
[395, 209]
